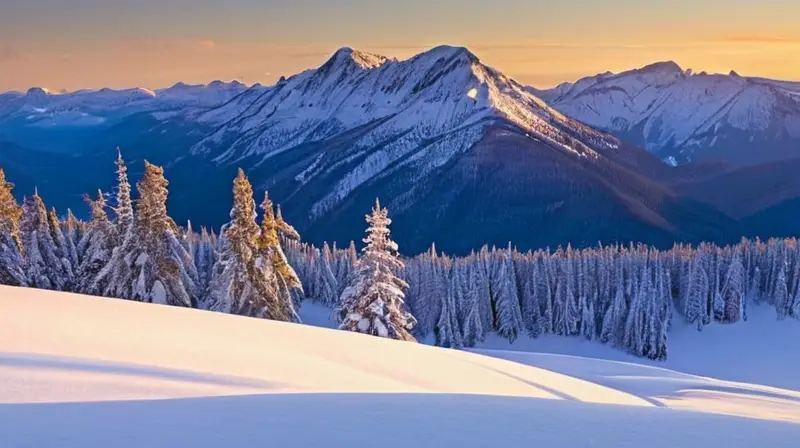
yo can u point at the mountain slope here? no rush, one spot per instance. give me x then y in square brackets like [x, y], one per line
[441, 138]
[685, 117]
[83, 371]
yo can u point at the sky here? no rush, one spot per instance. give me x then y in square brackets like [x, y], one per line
[74, 44]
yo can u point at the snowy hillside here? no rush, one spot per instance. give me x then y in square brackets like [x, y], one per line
[82, 371]
[686, 116]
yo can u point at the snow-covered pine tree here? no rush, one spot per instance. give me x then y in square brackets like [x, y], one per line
[42, 264]
[324, 280]
[448, 331]
[473, 329]
[124, 210]
[204, 260]
[66, 254]
[781, 292]
[239, 284]
[508, 316]
[69, 228]
[373, 303]
[11, 261]
[152, 265]
[95, 249]
[733, 290]
[286, 284]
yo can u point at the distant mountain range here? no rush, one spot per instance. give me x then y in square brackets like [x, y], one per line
[683, 117]
[461, 154]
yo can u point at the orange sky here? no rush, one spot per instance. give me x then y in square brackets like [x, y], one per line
[111, 43]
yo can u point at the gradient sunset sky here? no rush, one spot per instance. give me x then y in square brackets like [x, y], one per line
[73, 44]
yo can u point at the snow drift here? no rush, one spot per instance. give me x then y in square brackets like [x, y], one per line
[82, 371]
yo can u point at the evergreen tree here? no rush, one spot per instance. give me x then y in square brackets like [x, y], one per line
[42, 264]
[508, 317]
[373, 301]
[285, 282]
[324, 279]
[64, 252]
[240, 280]
[124, 209]
[448, 331]
[96, 248]
[473, 328]
[11, 262]
[152, 264]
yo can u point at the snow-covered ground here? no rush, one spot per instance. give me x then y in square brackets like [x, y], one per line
[82, 371]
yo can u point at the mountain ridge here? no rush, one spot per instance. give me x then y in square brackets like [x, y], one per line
[684, 116]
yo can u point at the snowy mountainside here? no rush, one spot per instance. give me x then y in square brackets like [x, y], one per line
[364, 125]
[77, 370]
[411, 104]
[439, 135]
[678, 114]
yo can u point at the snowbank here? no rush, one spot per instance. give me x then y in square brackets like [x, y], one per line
[82, 371]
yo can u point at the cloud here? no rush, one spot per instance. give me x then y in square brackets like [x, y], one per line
[758, 38]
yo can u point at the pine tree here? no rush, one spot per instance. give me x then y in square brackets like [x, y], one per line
[96, 248]
[616, 315]
[64, 252]
[448, 331]
[733, 290]
[11, 261]
[324, 279]
[508, 317]
[240, 282]
[124, 209]
[373, 301]
[152, 265]
[781, 292]
[285, 282]
[42, 264]
[472, 328]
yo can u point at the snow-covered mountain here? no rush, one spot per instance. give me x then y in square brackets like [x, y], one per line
[421, 102]
[439, 135]
[39, 107]
[682, 116]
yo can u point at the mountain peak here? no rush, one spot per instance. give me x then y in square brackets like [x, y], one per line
[661, 67]
[449, 51]
[38, 92]
[362, 59]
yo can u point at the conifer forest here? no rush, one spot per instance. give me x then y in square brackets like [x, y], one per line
[256, 265]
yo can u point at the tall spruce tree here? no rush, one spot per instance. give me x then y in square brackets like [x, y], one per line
[42, 263]
[285, 281]
[152, 265]
[238, 285]
[11, 269]
[96, 248]
[373, 301]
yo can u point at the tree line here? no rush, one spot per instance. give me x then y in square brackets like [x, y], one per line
[626, 296]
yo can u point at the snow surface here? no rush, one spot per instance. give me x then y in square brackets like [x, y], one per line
[83, 371]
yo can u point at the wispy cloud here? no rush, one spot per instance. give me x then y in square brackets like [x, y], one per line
[757, 38]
